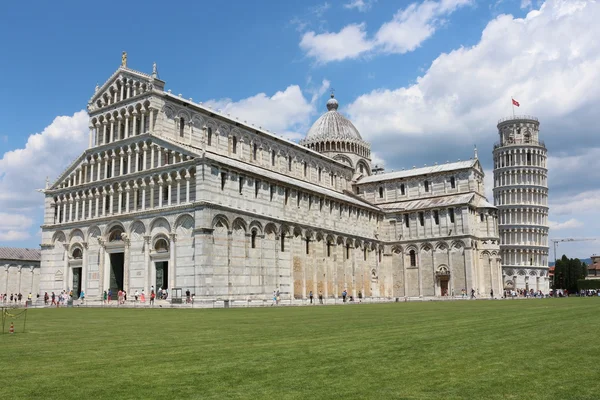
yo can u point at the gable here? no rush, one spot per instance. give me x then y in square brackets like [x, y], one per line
[123, 84]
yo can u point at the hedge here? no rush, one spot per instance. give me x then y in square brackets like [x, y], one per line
[586, 284]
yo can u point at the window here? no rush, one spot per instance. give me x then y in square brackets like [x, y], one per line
[321, 201]
[331, 178]
[140, 163]
[528, 158]
[272, 189]
[347, 251]
[115, 235]
[77, 254]
[124, 167]
[413, 258]
[241, 184]
[256, 188]
[328, 249]
[209, 139]
[422, 219]
[138, 202]
[402, 189]
[365, 254]
[305, 169]
[319, 174]
[481, 217]
[253, 239]
[298, 197]
[181, 126]
[427, 186]
[273, 158]
[282, 239]
[436, 217]
[109, 170]
[234, 145]
[452, 182]
[290, 163]
[309, 201]
[381, 192]
[307, 246]
[380, 254]
[161, 246]
[287, 195]
[451, 213]
[223, 180]
[166, 193]
[254, 151]
[330, 206]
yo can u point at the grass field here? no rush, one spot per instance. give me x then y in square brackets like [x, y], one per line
[516, 349]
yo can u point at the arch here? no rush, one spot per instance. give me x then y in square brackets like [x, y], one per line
[345, 159]
[160, 224]
[239, 224]
[521, 272]
[256, 226]
[76, 236]
[533, 273]
[510, 272]
[220, 221]
[457, 245]
[397, 249]
[160, 244]
[93, 232]
[59, 237]
[77, 252]
[441, 246]
[426, 247]
[184, 225]
[365, 167]
[297, 232]
[138, 230]
[115, 234]
[271, 229]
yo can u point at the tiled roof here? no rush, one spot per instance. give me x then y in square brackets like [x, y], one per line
[434, 202]
[419, 171]
[15, 253]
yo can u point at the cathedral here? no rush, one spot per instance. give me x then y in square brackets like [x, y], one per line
[172, 193]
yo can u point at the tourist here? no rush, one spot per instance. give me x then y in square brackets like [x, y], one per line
[274, 298]
[187, 296]
[11, 297]
[45, 298]
[104, 297]
[472, 293]
[53, 299]
[124, 296]
[136, 295]
[492, 293]
[359, 296]
[82, 296]
[344, 294]
[310, 296]
[320, 297]
[152, 295]
[143, 297]
[277, 296]
[20, 296]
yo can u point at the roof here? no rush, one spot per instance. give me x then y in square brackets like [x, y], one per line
[289, 180]
[433, 202]
[420, 171]
[594, 266]
[15, 253]
[333, 125]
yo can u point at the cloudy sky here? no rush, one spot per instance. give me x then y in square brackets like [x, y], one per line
[423, 81]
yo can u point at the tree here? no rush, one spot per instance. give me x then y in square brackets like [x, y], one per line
[567, 272]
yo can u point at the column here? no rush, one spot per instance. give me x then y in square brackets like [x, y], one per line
[178, 179]
[106, 158]
[126, 262]
[143, 185]
[128, 91]
[90, 198]
[113, 157]
[127, 192]
[77, 207]
[90, 136]
[152, 183]
[187, 186]
[127, 115]
[104, 196]
[112, 196]
[104, 125]
[147, 283]
[129, 152]
[159, 164]
[84, 268]
[92, 162]
[20, 268]
[119, 133]
[97, 197]
[70, 208]
[160, 192]
[172, 258]
[169, 187]
[66, 282]
[121, 157]
[152, 147]
[152, 120]
[135, 114]
[145, 158]
[120, 200]
[83, 204]
[112, 130]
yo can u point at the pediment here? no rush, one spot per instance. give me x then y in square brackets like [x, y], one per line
[116, 147]
[110, 92]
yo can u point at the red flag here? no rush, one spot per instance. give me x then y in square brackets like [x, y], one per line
[515, 103]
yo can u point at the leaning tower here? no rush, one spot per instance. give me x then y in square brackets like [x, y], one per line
[521, 195]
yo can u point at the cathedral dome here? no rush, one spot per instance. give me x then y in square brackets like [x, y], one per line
[332, 125]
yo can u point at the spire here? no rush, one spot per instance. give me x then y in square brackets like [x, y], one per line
[332, 103]
[476, 152]
[154, 70]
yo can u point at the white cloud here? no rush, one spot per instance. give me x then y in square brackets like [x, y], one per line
[360, 5]
[24, 170]
[350, 42]
[525, 3]
[587, 202]
[405, 32]
[286, 113]
[569, 224]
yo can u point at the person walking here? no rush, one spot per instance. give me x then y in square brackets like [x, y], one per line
[310, 296]
[472, 293]
[320, 297]
[82, 296]
[109, 298]
[492, 294]
[136, 295]
[53, 299]
[344, 294]
[152, 296]
[359, 296]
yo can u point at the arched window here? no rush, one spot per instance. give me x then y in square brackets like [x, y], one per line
[307, 245]
[181, 126]
[319, 172]
[254, 151]
[273, 157]
[328, 249]
[253, 239]
[77, 254]
[161, 246]
[289, 163]
[305, 168]
[381, 192]
[427, 186]
[115, 234]
[234, 145]
[452, 182]
[282, 238]
[402, 189]
[413, 258]
[209, 139]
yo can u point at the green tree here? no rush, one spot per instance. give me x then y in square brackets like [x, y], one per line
[567, 272]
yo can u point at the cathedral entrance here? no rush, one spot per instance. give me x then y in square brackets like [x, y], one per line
[162, 274]
[444, 286]
[117, 262]
[76, 282]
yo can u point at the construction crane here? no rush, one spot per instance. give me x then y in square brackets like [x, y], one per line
[556, 241]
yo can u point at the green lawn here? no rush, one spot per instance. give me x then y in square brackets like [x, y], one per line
[516, 349]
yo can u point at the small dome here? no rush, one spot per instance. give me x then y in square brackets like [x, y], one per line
[333, 125]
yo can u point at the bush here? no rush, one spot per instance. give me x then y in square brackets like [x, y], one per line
[586, 284]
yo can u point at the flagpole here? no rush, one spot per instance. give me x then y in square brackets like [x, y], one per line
[513, 106]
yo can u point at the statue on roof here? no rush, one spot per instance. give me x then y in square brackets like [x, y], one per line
[154, 71]
[124, 59]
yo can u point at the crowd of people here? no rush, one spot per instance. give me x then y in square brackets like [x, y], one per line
[15, 298]
[524, 293]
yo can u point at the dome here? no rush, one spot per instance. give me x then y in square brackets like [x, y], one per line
[332, 125]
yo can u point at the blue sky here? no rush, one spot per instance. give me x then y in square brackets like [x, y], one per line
[423, 81]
